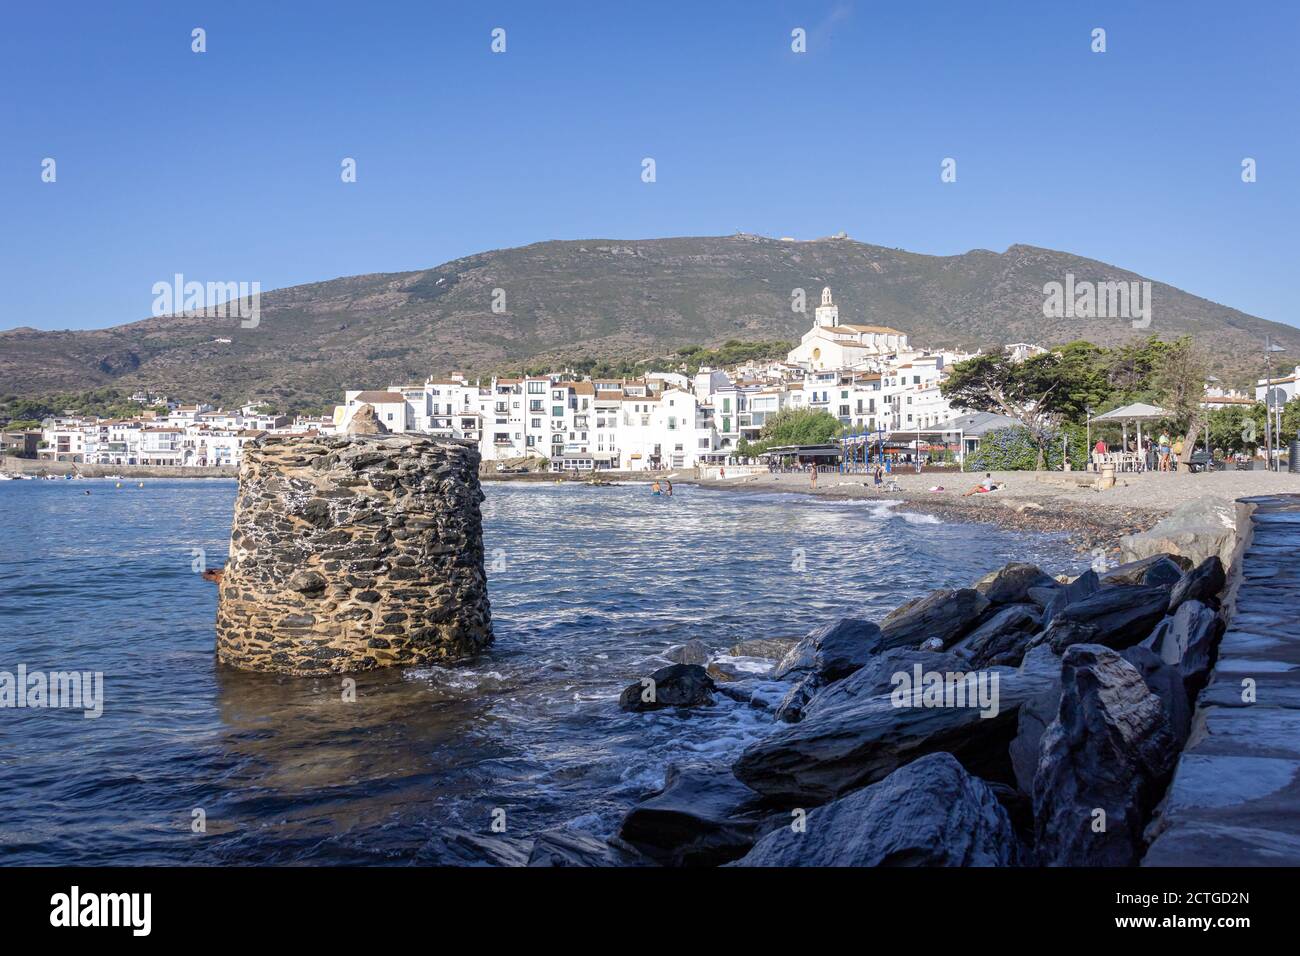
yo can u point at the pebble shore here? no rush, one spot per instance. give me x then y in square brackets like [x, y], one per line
[1052, 502]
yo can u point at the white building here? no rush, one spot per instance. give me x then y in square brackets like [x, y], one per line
[828, 345]
[390, 407]
[1283, 382]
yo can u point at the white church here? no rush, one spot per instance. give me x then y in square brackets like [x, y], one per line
[829, 345]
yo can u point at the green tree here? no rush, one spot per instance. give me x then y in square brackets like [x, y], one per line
[794, 426]
[1040, 392]
[1178, 379]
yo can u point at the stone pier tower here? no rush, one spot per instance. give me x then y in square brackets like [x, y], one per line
[354, 552]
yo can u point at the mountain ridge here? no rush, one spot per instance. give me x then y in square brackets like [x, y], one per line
[607, 298]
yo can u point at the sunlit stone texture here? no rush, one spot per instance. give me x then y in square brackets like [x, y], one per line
[354, 552]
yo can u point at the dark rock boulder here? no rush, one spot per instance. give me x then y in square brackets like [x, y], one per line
[703, 816]
[1020, 810]
[1188, 640]
[790, 710]
[728, 668]
[773, 648]
[1203, 583]
[1165, 682]
[1036, 715]
[1118, 617]
[1053, 600]
[877, 676]
[452, 846]
[1010, 584]
[1002, 637]
[832, 651]
[1104, 763]
[928, 813]
[692, 652]
[1159, 569]
[859, 741]
[567, 847]
[677, 685]
[944, 614]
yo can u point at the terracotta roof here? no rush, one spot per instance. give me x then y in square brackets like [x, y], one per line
[584, 388]
[879, 329]
[380, 397]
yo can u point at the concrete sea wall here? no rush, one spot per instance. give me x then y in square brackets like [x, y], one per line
[354, 552]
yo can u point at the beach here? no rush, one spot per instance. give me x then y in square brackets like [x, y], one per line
[1035, 501]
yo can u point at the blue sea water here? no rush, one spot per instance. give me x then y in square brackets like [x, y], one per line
[587, 585]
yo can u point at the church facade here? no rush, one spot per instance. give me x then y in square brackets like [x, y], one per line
[830, 345]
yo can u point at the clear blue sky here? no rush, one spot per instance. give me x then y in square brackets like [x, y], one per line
[225, 166]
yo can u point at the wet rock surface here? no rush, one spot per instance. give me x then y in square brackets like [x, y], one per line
[354, 552]
[677, 685]
[832, 651]
[703, 816]
[861, 740]
[928, 813]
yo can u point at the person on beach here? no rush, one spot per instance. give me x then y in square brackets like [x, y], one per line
[1176, 454]
[878, 475]
[1163, 451]
[813, 476]
[983, 487]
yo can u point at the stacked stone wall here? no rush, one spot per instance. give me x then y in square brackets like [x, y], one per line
[354, 552]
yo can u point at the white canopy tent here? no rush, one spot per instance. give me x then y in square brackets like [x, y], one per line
[1137, 413]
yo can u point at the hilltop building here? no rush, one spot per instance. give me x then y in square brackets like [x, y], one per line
[830, 345]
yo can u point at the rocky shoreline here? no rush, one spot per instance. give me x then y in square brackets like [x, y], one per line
[1027, 720]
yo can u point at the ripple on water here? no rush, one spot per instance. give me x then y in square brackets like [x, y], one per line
[596, 583]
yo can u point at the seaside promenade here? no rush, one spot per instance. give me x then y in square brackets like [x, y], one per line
[1235, 796]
